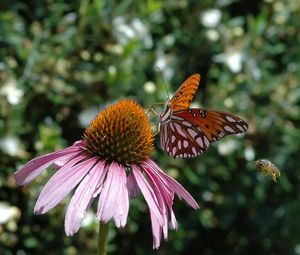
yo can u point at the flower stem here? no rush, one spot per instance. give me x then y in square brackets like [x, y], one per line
[103, 238]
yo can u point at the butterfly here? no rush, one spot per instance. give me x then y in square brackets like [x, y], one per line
[187, 132]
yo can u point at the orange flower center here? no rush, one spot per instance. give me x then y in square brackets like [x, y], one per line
[120, 133]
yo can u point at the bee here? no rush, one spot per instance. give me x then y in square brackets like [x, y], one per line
[268, 168]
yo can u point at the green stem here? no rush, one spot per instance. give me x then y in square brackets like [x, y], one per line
[103, 238]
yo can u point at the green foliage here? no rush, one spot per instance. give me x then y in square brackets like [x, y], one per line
[62, 60]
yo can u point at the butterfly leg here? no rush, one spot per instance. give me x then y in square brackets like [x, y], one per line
[156, 114]
[156, 131]
[152, 110]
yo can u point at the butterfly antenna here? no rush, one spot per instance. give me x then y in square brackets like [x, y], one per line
[162, 78]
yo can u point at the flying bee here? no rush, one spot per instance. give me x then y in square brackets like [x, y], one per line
[268, 168]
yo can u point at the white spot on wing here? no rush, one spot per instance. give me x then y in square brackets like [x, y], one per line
[173, 117]
[229, 129]
[165, 135]
[185, 143]
[240, 128]
[194, 151]
[173, 138]
[230, 119]
[200, 141]
[172, 127]
[166, 144]
[174, 151]
[188, 124]
[179, 130]
[206, 141]
[192, 132]
[179, 144]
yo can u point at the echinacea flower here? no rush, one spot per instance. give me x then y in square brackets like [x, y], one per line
[112, 161]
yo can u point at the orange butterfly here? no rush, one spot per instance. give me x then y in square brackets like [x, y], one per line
[187, 132]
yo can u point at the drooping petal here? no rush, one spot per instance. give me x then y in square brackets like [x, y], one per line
[157, 191]
[165, 199]
[173, 220]
[83, 197]
[121, 214]
[148, 194]
[156, 231]
[166, 193]
[37, 165]
[110, 194]
[62, 182]
[174, 185]
[132, 186]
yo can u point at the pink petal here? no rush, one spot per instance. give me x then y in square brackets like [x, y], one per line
[62, 182]
[110, 194]
[156, 231]
[133, 188]
[83, 197]
[148, 194]
[157, 190]
[163, 197]
[37, 165]
[173, 220]
[60, 162]
[174, 185]
[157, 182]
[121, 214]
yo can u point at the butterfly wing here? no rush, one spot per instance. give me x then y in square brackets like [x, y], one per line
[185, 94]
[190, 132]
[182, 141]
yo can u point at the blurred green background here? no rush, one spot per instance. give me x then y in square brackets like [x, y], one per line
[62, 61]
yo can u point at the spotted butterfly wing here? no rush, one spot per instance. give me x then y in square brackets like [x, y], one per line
[185, 94]
[188, 132]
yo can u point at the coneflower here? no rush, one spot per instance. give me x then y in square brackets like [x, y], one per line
[111, 162]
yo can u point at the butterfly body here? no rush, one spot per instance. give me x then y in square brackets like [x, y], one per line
[187, 132]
